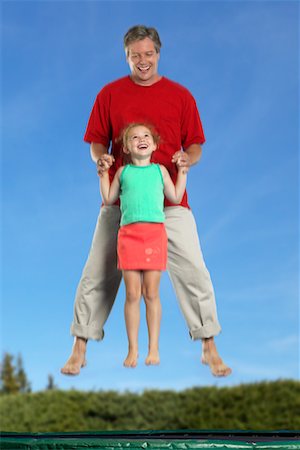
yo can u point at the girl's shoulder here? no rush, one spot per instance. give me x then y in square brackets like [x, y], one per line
[163, 172]
[120, 172]
[162, 168]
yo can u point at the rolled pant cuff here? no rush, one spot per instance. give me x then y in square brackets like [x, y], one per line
[87, 332]
[206, 331]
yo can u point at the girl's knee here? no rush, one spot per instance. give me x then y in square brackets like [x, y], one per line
[133, 296]
[150, 295]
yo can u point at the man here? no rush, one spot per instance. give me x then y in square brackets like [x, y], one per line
[146, 96]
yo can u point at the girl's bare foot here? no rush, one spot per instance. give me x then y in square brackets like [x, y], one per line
[77, 359]
[131, 359]
[211, 357]
[152, 358]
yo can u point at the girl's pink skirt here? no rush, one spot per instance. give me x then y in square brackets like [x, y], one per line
[142, 246]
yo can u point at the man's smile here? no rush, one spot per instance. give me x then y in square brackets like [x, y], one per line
[143, 69]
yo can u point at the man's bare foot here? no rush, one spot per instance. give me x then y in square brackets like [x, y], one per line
[131, 358]
[210, 356]
[152, 358]
[77, 359]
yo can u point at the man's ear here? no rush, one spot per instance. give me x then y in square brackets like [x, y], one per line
[125, 150]
[126, 54]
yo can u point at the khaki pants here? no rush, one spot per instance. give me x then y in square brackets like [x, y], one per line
[100, 279]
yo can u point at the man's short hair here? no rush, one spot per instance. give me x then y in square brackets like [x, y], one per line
[139, 32]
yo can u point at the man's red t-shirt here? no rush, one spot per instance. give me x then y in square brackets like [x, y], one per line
[167, 105]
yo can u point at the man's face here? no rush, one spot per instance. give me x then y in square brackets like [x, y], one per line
[143, 62]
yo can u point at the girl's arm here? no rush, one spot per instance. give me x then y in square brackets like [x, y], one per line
[174, 193]
[110, 192]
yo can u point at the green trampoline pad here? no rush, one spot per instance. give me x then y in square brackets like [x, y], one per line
[185, 439]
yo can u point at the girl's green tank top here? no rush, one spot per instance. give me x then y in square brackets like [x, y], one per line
[142, 194]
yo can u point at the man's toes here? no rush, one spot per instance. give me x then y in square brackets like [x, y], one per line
[228, 371]
[223, 371]
[70, 371]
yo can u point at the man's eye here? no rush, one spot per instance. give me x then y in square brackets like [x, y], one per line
[149, 53]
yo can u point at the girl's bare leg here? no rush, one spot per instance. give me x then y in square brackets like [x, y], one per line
[150, 289]
[132, 279]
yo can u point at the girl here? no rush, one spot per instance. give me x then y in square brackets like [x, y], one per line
[142, 239]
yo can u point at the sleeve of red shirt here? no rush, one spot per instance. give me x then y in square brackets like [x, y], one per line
[98, 128]
[191, 126]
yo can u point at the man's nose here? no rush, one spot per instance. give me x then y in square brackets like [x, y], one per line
[143, 59]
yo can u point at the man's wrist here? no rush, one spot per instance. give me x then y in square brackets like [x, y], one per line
[194, 153]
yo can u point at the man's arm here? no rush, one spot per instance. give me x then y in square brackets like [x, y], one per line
[100, 156]
[194, 151]
[97, 150]
[188, 157]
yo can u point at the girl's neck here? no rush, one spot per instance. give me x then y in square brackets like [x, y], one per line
[140, 162]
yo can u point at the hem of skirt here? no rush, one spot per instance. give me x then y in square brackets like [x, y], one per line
[205, 332]
[87, 332]
[161, 269]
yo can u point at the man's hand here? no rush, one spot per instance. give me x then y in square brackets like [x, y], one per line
[182, 160]
[104, 163]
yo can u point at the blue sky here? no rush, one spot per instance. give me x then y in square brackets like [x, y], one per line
[240, 61]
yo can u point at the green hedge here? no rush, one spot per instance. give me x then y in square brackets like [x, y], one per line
[258, 406]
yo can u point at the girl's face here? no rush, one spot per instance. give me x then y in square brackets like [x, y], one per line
[140, 143]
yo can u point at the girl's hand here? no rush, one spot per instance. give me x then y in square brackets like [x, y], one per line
[104, 163]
